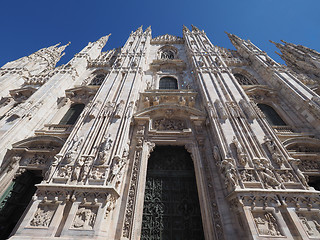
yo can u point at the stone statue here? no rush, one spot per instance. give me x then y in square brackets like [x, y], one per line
[301, 176]
[230, 173]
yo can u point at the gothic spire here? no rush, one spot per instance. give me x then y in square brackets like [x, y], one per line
[185, 29]
[148, 30]
[235, 40]
[139, 31]
[299, 58]
[103, 40]
[194, 28]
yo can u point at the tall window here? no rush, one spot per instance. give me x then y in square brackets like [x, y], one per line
[98, 79]
[168, 83]
[272, 116]
[243, 80]
[72, 114]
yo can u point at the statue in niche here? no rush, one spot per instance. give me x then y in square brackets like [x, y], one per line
[85, 218]
[278, 159]
[86, 168]
[65, 171]
[230, 173]
[182, 101]
[119, 109]
[266, 173]
[115, 172]
[70, 156]
[77, 169]
[242, 157]
[270, 144]
[216, 154]
[105, 147]
[77, 144]
[301, 176]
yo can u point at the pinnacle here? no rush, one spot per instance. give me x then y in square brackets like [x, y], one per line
[194, 28]
[185, 29]
[148, 30]
[139, 30]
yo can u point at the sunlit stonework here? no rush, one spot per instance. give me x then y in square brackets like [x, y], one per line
[165, 138]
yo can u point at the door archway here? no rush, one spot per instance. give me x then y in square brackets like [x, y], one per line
[171, 204]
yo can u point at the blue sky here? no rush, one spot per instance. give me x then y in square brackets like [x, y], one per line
[27, 26]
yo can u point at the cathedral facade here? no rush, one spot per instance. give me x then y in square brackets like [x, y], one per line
[163, 138]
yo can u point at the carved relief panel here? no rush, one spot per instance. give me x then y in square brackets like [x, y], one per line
[85, 218]
[266, 224]
[310, 222]
[43, 215]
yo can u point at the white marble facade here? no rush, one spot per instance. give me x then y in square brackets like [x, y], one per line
[257, 174]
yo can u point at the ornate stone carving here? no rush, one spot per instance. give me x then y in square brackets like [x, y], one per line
[247, 176]
[85, 218]
[64, 171]
[95, 109]
[104, 149]
[169, 124]
[265, 172]
[98, 173]
[266, 224]
[119, 109]
[230, 173]
[85, 168]
[70, 156]
[310, 223]
[116, 170]
[216, 154]
[140, 129]
[163, 39]
[309, 165]
[13, 163]
[37, 159]
[221, 110]
[287, 176]
[132, 194]
[110, 204]
[275, 154]
[301, 176]
[43, 215]
[242, 156]
[246, 107]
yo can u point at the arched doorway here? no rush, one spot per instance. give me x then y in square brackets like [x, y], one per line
[171, 204]
[16, 199]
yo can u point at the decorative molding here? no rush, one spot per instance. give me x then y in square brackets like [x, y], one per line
[167, 39]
